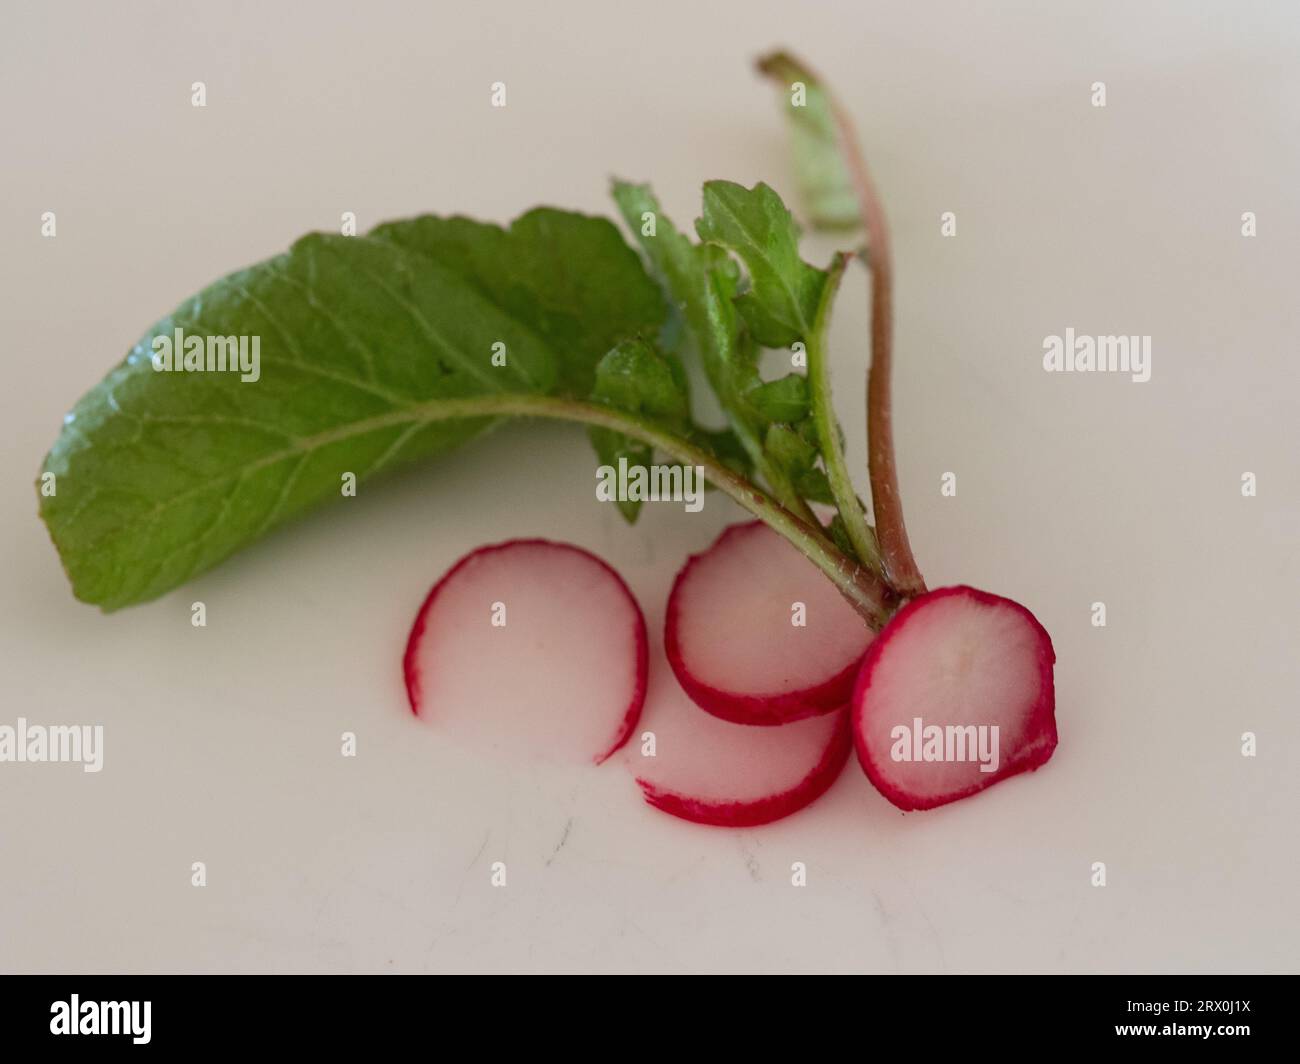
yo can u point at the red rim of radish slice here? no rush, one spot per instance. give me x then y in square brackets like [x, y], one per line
[410, 659]
[773, 708]
[1038, 731]
[771, 807]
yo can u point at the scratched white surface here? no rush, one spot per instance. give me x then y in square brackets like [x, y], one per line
[222, 744]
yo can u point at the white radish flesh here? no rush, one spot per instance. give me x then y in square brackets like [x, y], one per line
[756, 635]
[530, 646]
[955, 694]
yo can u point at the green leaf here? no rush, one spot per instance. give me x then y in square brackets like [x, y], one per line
[784, 399]
[840, 536]
[726, 447]
[797, 458]
[700, 281]
[703, 282]
[782, 300]
[640, 380]
[825, 185]
[161, 475]
[572, 277]
[637, 379]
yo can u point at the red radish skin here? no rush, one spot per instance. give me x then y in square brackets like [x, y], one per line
[729, 638]
[569, 667]
[954, 657]
[711, 771]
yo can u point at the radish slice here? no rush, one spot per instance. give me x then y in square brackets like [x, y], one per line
[713, 772]
[530, 644]
[955, 694]
[731, 639]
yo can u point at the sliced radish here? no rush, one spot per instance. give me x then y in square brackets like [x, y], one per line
[955, 694]
[732, 775]
[732, 637]
[530, 645]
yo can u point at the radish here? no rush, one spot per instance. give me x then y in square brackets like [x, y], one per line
[530, 644]
[756, 635]
[696, 767]
[955, 694]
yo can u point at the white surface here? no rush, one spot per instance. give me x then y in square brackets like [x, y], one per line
[222, 744]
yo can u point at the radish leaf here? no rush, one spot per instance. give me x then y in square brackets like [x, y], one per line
[784, 399]
[703, 282]
[570, 276]
[160, 475]
[823, 178]
[781, 303]
[798, 458]
[637, 379]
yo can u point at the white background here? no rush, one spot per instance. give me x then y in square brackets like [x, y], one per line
[222, 744]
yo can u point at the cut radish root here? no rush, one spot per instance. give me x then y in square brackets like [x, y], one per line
[756, 635]
[731, 775]
[532, 646]
[955, 694]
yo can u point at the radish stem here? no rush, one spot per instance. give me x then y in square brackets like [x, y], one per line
[899, 564]
[864, 590]
[846, 499]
